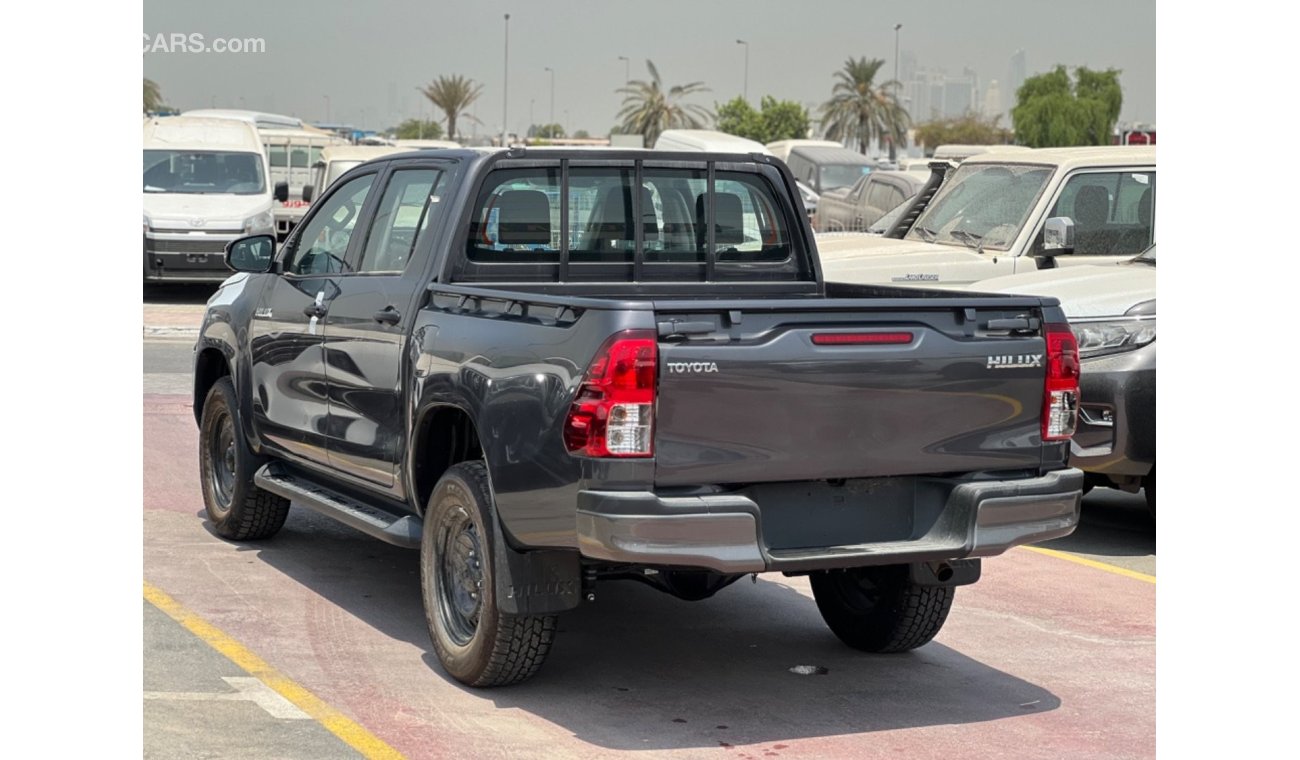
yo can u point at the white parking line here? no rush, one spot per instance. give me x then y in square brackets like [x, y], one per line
[247, 690]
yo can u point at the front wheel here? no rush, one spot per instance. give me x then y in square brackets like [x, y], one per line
[880, 609]
[238, 509]
[476, 643]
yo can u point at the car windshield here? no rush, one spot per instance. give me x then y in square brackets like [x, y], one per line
[841, 175]
[982, 206]
[202, 172]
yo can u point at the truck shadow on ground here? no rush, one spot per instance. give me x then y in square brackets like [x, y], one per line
[1113, 524]
[638, 669]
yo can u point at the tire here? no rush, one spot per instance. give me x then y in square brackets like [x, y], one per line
[879, 609]
[238, 509]
[476, 643]
[1149, 486]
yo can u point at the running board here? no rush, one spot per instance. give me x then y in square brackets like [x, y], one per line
[399, 530]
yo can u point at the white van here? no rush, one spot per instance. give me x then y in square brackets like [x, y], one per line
[414, 144]
[205, 184]
[707, 140]
[721, 142]
[781, 148]
[292, 148]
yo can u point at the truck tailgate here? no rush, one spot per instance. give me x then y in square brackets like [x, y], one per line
[748, 396]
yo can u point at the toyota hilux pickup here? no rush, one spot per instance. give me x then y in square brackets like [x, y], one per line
[546, 369]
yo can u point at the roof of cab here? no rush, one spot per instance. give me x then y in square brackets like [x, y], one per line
[1071, 158]
[257, 118]
[199, 133]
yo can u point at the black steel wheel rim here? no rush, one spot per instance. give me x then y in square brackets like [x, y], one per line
[459, 553]
[221, 460]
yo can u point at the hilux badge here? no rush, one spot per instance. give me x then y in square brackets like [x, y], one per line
[1014, 361]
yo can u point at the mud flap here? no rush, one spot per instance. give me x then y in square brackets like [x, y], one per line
[539, 582]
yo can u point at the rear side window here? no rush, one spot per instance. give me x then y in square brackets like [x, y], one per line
[278, 155]
[517, 217]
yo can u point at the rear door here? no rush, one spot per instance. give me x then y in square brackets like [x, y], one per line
[789, 392]
[366, 329]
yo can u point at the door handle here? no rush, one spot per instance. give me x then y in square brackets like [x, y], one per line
[316, 310]
[389, 316]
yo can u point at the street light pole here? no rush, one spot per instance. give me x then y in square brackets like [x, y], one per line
[505, 87]
[552, 117]
[627, 69]
[893, 148]
[746, 91]
[327, 108]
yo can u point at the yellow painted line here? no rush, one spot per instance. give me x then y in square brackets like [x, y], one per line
[1116, 569]
[340, 725]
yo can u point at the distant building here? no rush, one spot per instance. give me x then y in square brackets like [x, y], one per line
[992, 101]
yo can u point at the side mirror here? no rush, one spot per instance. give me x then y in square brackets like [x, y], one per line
[253, 253]
[282, 191]
[307, 192]
[1058, 236]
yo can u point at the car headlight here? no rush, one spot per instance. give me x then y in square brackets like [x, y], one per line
[1113, 336]
[260, 222]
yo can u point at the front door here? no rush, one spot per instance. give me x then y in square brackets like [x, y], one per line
[1113, 211]
[290, 405]
[367, 325]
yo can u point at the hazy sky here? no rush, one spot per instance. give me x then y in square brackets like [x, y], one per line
[369, 57]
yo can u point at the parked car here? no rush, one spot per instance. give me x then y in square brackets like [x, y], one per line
[205, 184]
[547, 369]
[992, 217]
[856, 208]
[825, 169]
[1112, 311]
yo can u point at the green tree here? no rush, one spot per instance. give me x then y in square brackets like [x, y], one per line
[649, 109]
[417, 129]
[546, 131]
[1054, 111]
[970, 129]
[777, 119]
[582, 134]
[152, 96]
[453, 94]
[861, 111]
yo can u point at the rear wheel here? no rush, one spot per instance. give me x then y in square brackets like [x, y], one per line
[476, 643]
[238, 509]
[879, 609]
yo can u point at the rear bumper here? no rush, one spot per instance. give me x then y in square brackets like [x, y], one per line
[949, 519]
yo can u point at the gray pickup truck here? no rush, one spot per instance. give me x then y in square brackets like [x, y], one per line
[550, 368]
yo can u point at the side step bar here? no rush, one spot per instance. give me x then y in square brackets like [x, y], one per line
[399, 530]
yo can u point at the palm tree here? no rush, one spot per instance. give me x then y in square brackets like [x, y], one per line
[649, 110]
[453, 95]
[862, 111]
[152, 96]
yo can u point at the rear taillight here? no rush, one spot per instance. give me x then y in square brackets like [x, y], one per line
[613, 412]
[1061, 391]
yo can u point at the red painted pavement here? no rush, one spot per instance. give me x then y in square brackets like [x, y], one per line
[1043, 658]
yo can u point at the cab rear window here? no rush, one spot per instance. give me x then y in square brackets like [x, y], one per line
[520, 218]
